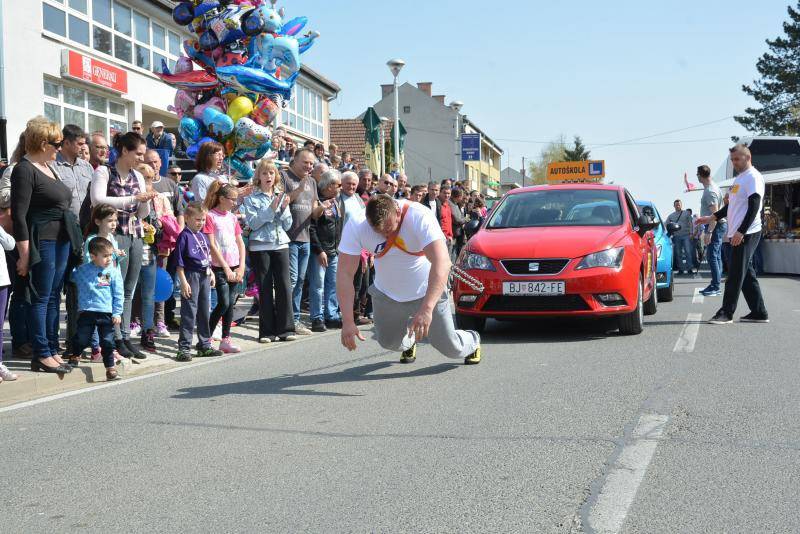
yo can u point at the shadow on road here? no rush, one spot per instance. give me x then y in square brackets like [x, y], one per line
[548, 330]
[282, 385]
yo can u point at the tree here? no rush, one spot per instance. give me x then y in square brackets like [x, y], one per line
[551, 153]
[778, 89]
[578, 152]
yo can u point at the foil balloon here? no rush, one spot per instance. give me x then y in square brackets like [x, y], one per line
[276, 52]
[184, 102]
[241, 168]
[184, 64]
[265, 111]
[252, 154]
[190, 130]
[217, 123]
[214, 102]
[250, 135]
[239, 107]
[252, 79]
[192, 150]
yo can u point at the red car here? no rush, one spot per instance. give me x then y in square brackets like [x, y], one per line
[560, 250]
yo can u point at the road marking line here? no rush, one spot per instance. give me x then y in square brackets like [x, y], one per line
[689, 333]
[698, 297]
[627, 472]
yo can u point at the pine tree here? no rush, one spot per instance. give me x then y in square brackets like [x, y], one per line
[778, 90]
[578, 152]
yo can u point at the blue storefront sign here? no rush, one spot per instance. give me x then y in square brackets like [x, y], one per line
[470, 147]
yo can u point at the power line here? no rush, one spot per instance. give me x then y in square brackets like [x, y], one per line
[664, 133]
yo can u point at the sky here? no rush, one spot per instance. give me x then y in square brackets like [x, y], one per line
[530, 71]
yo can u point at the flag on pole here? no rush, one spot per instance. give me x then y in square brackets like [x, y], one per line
[402, 163]
[372, 141]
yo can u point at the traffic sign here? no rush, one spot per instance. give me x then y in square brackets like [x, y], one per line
[470, 147]
[576, 171]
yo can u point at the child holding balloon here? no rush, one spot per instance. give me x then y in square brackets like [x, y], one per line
[227, 256]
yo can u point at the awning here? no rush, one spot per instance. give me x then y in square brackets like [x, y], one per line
[771, 178]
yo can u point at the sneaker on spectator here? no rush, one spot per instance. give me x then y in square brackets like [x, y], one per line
[147, 341]
[97, 354]
[227, 346]
[183, 356]
[333, 324]
[287, 337]
[208, 352]
[301, 330]
[162, 330]
[318, 325]
[135, 328]
[117, 357]
[6, 375]
[217, 335]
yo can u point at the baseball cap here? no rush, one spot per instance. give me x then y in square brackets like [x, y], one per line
[157, 124]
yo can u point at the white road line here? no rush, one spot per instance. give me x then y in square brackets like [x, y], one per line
[689, 333]
[622, 482]
[698, 298]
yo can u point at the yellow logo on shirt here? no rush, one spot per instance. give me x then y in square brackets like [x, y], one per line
[735, 189]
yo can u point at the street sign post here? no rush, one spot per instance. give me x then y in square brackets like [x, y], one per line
[471, 147]
[576, 171]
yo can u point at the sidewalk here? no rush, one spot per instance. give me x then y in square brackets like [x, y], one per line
[32, 385]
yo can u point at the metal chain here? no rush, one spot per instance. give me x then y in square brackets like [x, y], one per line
[471, 281]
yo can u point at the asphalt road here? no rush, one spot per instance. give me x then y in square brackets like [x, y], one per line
[564, 427]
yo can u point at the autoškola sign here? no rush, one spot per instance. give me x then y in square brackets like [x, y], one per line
[576, 171]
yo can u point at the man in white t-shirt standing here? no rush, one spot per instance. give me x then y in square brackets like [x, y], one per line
[744, 230]
[409, 295]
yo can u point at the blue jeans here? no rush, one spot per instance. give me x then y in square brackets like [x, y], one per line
[714, 254]
[48, 279]
[147, 286]
[298, 263]
[322, 290]
[684, 243]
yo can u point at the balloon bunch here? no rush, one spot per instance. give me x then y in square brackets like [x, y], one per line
[248, 60]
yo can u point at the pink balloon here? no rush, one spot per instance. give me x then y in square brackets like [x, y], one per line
[184, 64]
[184, 102]
[215, 102]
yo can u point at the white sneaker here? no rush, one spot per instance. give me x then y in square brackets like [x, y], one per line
[6, 375]
[217, 335]
[301, 330]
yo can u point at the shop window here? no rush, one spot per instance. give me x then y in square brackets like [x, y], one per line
[157, 58]
[73, 116]
[141, 27]
[122, 18]
[101, 40]
[78, 30]
[116, 108]
[123, 49]
[159, 37]
[101, 12]
[97, 124]
[54, 20]
[52, 112]
[74, 96]
[174, 44]
[142, 57]
[96, 103]
[50, 89]
[117, 127]
[78, 5]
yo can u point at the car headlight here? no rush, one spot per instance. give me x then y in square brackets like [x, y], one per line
[659, 248]
[470, 260]
[611, 258]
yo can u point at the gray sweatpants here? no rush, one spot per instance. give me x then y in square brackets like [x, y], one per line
[195, 310]
[392, 319]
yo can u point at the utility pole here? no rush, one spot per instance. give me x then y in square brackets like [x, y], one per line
[524, 171]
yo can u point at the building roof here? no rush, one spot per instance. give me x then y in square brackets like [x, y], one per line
[509, 176]
[349, 135]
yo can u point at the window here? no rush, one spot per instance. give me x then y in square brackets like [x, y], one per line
[304, 112]
[66, 104]
[406, 109]
[113, 28]
[54, 20]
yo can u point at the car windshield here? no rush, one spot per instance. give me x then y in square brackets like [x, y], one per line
[558, 207]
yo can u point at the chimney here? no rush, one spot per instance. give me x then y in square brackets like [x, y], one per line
[386, 89]
[425, 87]
[439, 99]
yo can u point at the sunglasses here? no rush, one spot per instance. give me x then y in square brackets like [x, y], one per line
[175, 174]
[387, 182]
[55, 144]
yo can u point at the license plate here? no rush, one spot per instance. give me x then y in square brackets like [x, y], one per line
[534, 288]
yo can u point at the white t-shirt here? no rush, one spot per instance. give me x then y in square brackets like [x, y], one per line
[353, 207]
[398, 275]
[746, 184]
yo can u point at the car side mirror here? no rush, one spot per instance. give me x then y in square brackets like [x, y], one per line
[645, 224]
[472, 227]
[672, 228]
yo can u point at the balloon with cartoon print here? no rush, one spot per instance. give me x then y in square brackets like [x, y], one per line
[190, 129]
[251, 135]
[217, 123]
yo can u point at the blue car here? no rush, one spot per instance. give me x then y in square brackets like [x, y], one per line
[665, 282]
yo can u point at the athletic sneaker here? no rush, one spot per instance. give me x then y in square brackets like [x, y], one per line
[227, 346]
[208, 352]
[6, 375]
[217, 335]
[410, 355]
[721, 318]
[162, 330]
[301, 330]
[265, 340]
[711, 292]
[287, 337]
[318, 325]
[754, 318]
[97, 354]
[135, 328]
[147, 341]
[183, 356]
[474, 358]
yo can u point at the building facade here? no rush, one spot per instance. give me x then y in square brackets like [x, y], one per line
[431, 152]
[92, 63]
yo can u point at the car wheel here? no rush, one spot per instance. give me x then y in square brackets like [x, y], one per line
[632, 323]
[665, 295]
[651, 306]
[470, 322]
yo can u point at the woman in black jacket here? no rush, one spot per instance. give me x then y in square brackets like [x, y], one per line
[325, 233]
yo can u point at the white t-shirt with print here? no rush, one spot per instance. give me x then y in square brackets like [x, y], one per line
[746, 184]
[398, 275]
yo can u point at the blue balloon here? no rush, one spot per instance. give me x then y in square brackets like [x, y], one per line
[192, 150]
[183, 13]
[217, 123]
[190, 129]
[252, 154]
[241, 168]
[188, 196]
[163, 285]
